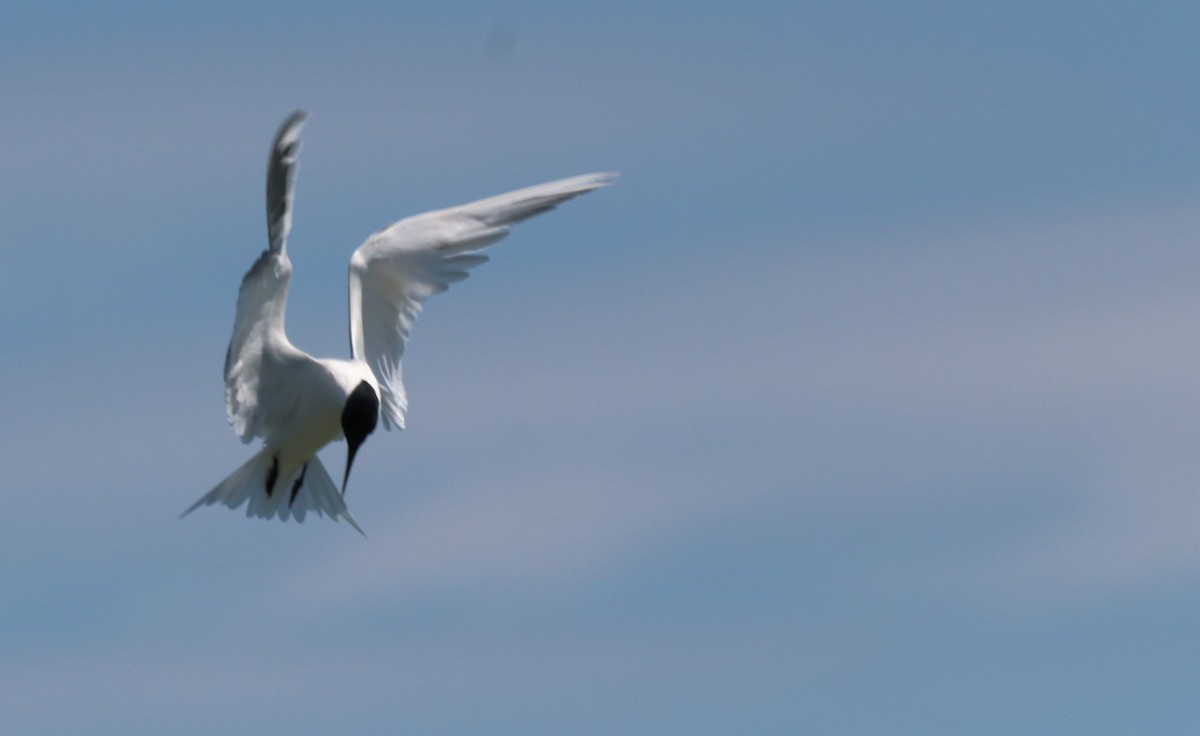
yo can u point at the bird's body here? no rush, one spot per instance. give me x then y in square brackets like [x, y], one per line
[298, 403]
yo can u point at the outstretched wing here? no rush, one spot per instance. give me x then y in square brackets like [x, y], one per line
[401, 266]
[262, 299]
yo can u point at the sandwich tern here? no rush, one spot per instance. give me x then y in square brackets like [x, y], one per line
[298, 403]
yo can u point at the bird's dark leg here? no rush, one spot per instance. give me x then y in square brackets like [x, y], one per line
[296, 486]
[272, 475]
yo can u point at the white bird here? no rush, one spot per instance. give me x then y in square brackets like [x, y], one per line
[298, 403]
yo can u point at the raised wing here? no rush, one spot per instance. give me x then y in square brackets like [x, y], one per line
[258, 326]
[401, 266]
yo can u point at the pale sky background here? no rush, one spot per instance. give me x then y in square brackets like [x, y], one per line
[866, 402]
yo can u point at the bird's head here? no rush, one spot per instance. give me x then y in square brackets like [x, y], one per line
[359, 417]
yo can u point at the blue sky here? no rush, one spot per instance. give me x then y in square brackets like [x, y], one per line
[865, 402]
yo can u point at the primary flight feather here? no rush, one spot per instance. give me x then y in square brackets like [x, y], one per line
[297, 403]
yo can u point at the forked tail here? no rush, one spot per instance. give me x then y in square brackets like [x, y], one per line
[270, 490]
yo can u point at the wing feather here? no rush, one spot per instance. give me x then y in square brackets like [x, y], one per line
[399, 267]
[281, 180]
[258, 326]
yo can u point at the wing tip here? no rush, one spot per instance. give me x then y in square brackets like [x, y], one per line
[595, 180]
[290, 130]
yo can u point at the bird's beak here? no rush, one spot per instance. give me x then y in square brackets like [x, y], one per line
[353, 450]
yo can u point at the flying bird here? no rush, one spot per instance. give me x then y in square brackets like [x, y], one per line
[298, 403]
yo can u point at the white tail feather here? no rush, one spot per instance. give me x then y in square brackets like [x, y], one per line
[248, 484]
